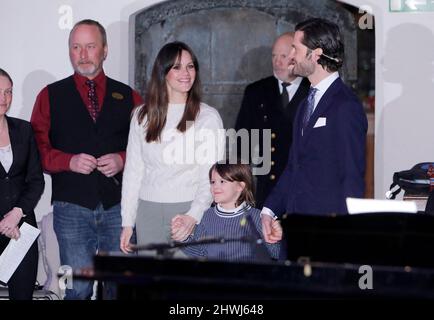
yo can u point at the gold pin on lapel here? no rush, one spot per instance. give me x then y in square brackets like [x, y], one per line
[117, 96]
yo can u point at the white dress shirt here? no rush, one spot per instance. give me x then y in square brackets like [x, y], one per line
[292, 89]
[6, 157]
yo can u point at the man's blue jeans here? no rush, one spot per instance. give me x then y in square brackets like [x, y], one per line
[82, 232]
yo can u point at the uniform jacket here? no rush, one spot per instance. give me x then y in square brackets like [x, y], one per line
[262, 109]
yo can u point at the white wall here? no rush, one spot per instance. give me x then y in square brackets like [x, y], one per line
[404, 125]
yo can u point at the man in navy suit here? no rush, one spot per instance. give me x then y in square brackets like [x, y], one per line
[327, 158]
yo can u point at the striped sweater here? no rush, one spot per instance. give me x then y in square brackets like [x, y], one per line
[220, 223]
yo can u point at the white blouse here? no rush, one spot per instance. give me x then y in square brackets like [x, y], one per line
[175, 169]
[6, 157]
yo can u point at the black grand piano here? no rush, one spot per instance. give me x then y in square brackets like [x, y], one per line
[381, 255]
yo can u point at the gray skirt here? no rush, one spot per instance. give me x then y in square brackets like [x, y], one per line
[153, 223]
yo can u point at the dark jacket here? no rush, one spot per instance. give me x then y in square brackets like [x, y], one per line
[23, 185]
[327, 163]
[73, 131]
[430, 203]
[261, 109]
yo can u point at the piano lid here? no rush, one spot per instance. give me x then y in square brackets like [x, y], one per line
[389, 239]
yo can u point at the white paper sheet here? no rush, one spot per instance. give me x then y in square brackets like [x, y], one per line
[15, 251]
[356, 206]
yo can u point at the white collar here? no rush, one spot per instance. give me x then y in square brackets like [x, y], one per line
[230, 213]
[295, 82]
[325, 83]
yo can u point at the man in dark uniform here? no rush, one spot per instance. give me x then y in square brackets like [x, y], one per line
[271, 103]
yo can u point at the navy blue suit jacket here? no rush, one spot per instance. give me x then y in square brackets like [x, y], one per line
[327, 163]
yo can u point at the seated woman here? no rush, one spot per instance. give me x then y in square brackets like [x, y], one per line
[21, 186]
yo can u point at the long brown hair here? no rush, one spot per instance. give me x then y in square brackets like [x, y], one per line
[238, 172]
[157, 97]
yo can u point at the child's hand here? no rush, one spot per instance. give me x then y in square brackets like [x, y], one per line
[182, 226]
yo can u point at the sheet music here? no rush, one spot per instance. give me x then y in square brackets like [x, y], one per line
[356, 206]
[15, 251]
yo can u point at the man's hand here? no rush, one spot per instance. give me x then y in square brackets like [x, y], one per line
[271, 229]
[110, 164]
[182, 226]
[82, 163]
[276, 231]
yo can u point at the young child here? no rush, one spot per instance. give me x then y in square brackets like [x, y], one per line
[232, 190]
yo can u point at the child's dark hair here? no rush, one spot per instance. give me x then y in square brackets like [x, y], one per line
[237, 172]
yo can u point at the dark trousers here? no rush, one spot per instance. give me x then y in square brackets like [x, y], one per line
[22, 282]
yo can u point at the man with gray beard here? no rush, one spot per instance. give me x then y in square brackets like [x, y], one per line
[81, 126]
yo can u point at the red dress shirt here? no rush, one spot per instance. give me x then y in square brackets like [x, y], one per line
[54, 160]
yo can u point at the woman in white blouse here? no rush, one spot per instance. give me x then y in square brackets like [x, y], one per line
[174, 139]
[21, 186]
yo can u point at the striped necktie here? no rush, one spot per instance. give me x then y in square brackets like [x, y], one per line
[93, 99]
[310, 102]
